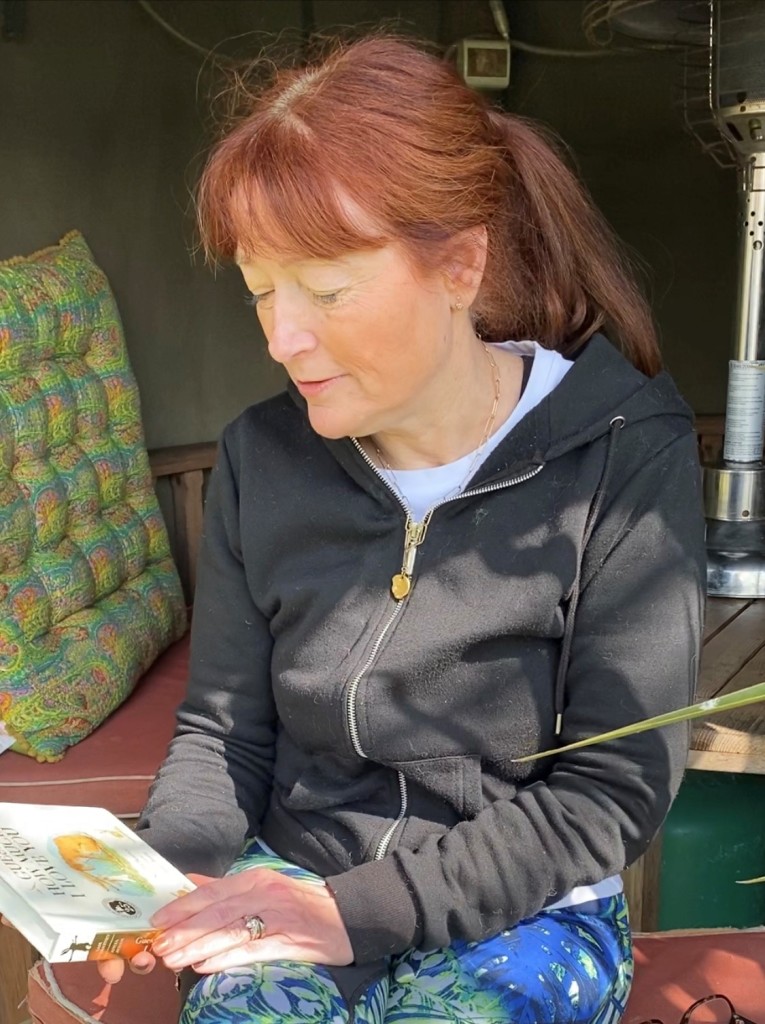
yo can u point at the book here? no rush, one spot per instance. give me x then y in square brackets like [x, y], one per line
[79, 884]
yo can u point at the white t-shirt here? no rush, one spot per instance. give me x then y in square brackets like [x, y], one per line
[423, 488]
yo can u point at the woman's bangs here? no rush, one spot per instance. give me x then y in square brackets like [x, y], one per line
[298, 213]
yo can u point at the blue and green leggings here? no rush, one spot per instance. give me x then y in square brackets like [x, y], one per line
[567, 966]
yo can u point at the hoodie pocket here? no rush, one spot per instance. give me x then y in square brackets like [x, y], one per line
[324, 781]
[454, 780]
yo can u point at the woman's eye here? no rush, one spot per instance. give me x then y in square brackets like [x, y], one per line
[258, 300]
[328, 299]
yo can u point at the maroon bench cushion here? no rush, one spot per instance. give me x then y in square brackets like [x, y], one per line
[114, 766]
[671, 971]
[69, 993]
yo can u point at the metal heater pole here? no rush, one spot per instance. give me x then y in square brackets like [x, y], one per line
[734, 492]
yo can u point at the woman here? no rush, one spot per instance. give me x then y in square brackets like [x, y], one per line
[444, 547]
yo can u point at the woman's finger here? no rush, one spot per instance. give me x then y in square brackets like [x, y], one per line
[215, 932]
[201, 879]
[259, 951]
[272, 947]
[143, 963]
[6, 922]
[111, 970]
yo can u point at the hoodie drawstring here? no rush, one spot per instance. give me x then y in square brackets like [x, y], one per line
[616, 425]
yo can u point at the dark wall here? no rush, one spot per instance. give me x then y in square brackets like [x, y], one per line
[103, 120]
[100, 128]
[676, 209]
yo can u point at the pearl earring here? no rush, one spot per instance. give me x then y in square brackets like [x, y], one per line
[458, 303]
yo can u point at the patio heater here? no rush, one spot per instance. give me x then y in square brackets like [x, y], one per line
[722, 49]
[734, 491]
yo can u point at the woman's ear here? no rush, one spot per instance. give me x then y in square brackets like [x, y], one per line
[465, 264]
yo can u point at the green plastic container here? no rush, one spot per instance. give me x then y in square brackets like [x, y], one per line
[714, 835]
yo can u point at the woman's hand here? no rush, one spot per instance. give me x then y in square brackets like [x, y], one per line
[142, 963]
[205, 929]
[112, 970]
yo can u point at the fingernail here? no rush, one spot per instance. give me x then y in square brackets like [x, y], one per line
[160, 946]
[173, 960]
[158, 919]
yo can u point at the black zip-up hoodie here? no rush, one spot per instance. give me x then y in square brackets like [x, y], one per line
[373, 740]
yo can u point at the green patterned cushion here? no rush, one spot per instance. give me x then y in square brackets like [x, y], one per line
[89, 595]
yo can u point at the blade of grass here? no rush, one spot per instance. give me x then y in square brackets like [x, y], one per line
[749, 695]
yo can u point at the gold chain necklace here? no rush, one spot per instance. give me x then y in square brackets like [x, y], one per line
[481, 445]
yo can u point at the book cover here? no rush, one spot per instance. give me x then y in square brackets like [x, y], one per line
[79, 884]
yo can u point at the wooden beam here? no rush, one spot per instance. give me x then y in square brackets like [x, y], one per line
[184, 458]
[651, 885]
[634, 880]
[740, 762]
[188, 514]
[16, 957]
[185, 467]
[713, 425]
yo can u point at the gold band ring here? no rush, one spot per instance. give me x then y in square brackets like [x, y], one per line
[255, 926]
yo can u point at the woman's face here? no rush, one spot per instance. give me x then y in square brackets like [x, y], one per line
[361, 336]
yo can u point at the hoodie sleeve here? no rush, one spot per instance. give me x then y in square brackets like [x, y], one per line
[635, 654]
[225, 733]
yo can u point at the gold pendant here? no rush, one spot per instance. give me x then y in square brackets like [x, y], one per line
[400, 586]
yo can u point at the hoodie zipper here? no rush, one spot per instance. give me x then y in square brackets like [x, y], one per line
[401, 585]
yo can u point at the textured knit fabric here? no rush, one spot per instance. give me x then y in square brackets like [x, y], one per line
[571, 966]
[372, 739]
[89, 595]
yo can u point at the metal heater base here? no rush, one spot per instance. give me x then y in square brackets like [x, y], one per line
[735, 574]
[734, 503]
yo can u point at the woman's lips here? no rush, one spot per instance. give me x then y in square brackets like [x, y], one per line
[307, 388]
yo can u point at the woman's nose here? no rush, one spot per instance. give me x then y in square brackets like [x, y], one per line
[289, 332]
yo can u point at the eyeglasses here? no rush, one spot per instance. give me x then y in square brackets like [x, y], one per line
[735, 1018]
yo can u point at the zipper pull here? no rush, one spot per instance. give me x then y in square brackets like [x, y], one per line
[401, 583]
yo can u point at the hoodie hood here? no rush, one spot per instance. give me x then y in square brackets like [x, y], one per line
[603, 384]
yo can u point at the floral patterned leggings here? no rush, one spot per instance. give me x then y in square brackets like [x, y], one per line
[568, 966]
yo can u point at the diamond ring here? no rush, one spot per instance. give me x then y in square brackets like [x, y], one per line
[255, 926]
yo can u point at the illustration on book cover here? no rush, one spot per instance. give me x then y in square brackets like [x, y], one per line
[101, 864]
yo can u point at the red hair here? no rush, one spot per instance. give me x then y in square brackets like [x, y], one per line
[394, 129]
